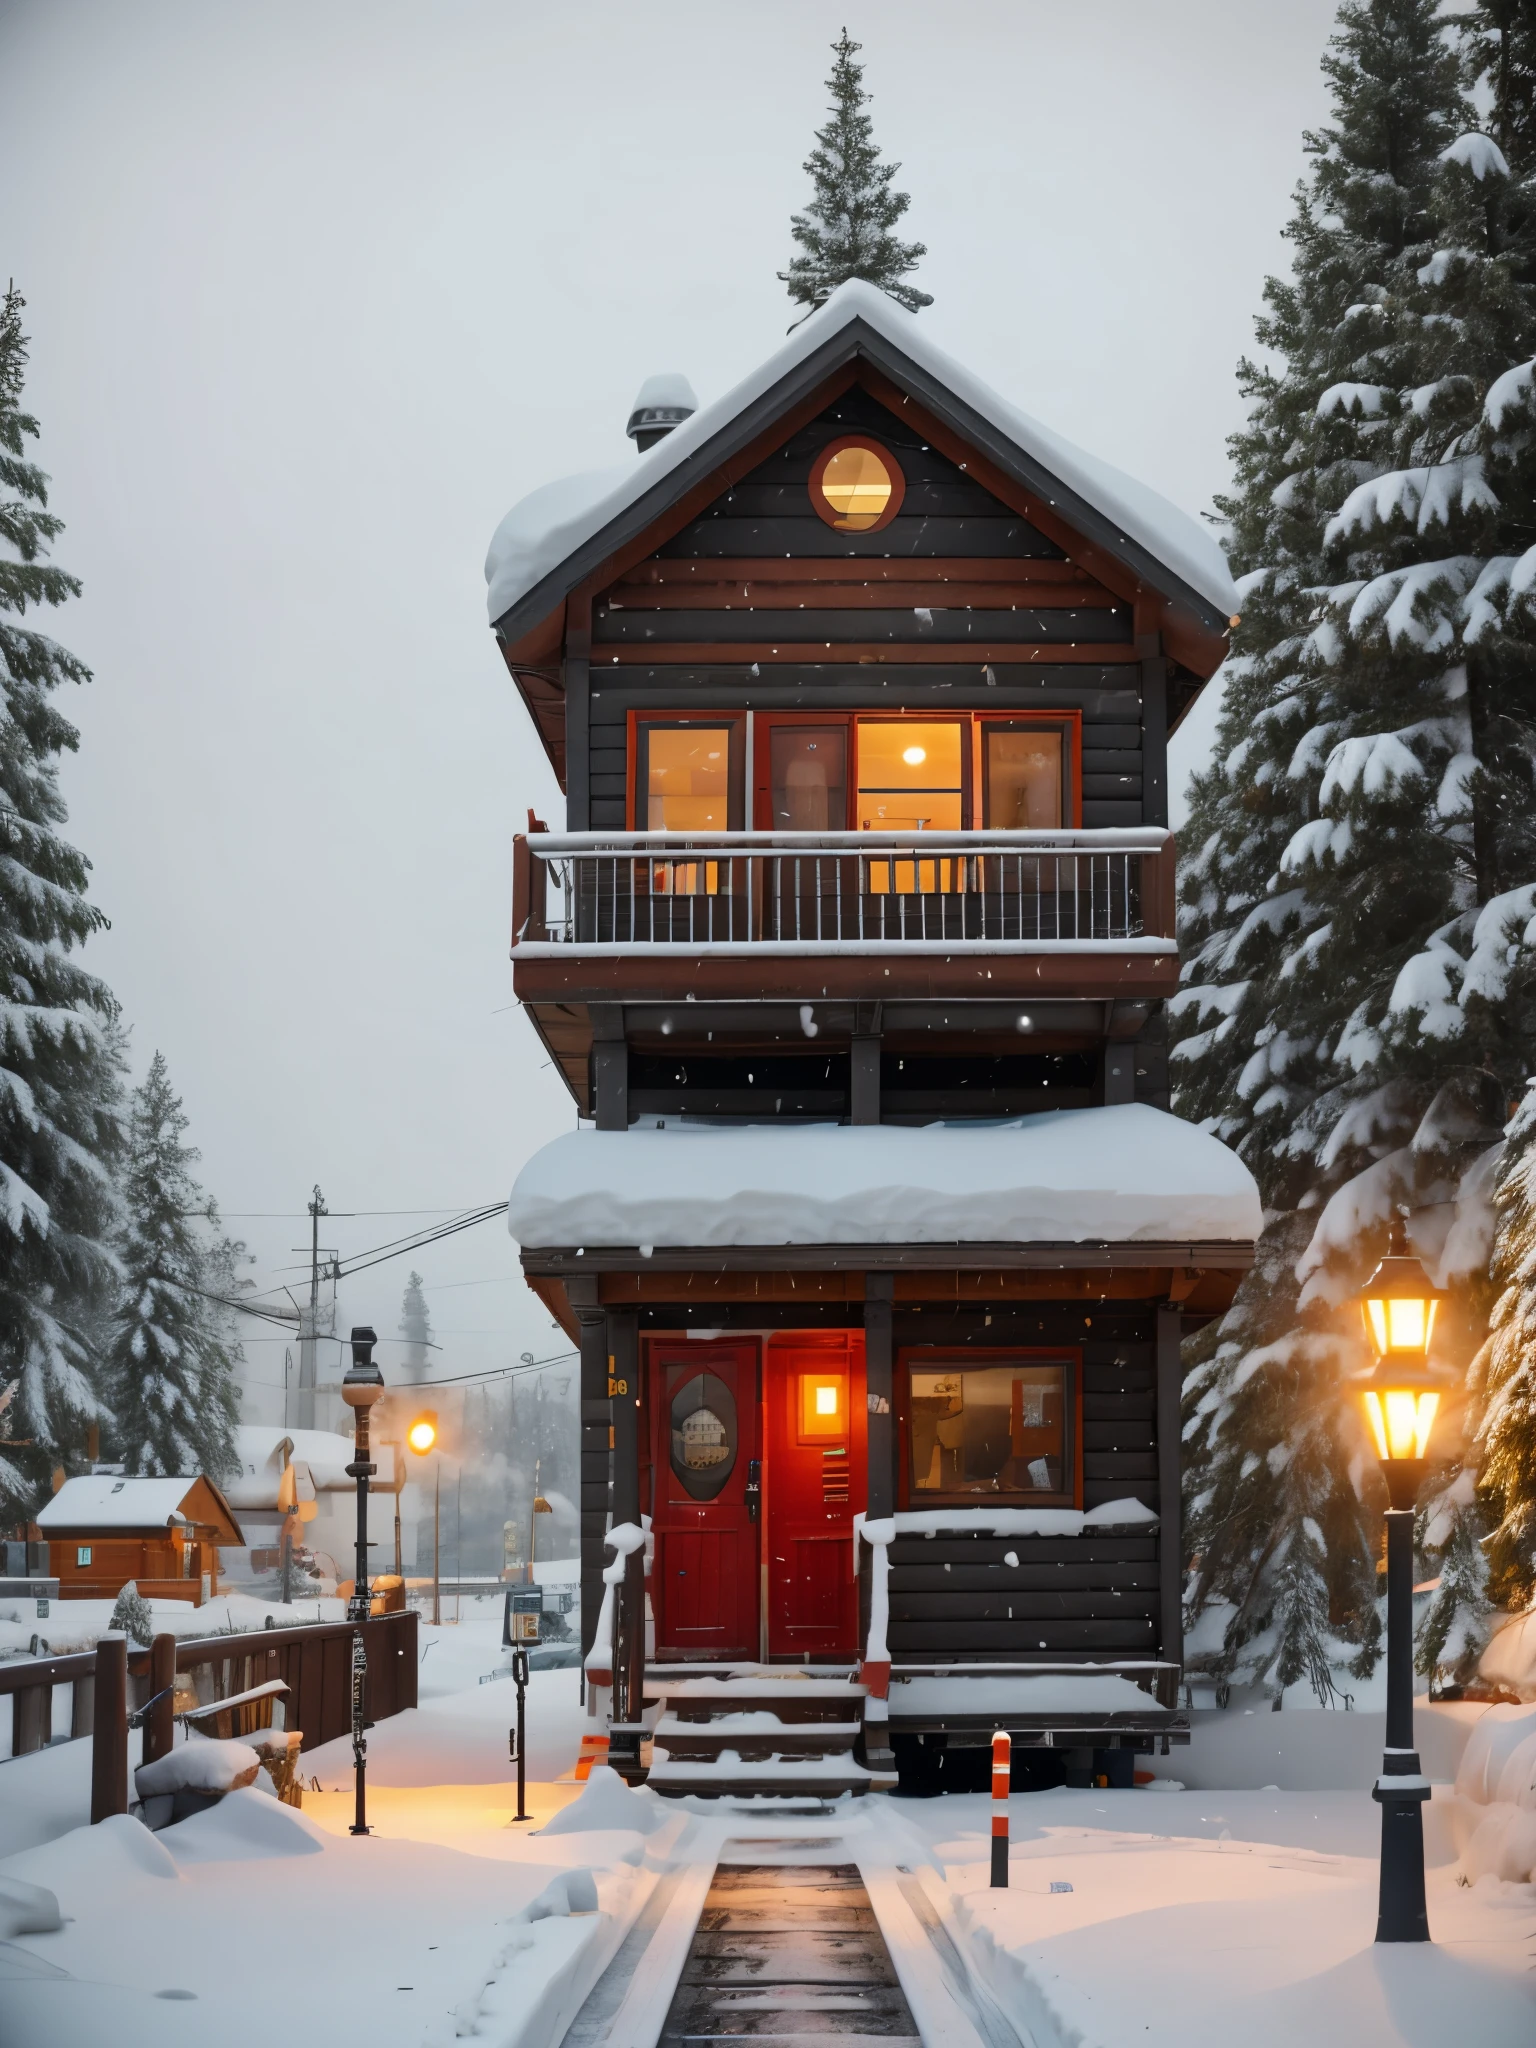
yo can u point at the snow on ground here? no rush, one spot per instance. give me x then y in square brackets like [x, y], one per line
[1191, 1914]
[74, 1625]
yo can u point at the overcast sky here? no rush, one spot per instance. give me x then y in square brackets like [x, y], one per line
[317, 292]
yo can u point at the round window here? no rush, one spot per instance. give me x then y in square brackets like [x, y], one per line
[856, 485]
[703, 1435]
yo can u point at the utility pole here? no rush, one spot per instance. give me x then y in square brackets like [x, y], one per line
[311, 1323]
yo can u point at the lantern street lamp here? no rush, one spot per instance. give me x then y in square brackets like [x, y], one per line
[361, 1387]
[422, 1438]
[1398, 1303]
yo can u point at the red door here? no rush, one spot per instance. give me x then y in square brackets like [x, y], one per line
[704, 1580]
[814, 1389]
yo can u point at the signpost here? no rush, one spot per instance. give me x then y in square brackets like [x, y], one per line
[359, 1740]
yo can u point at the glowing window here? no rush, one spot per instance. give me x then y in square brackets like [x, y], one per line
[823, 1404]
[685, 778]
[1024, 776]
[856, 486]
[989, 1429]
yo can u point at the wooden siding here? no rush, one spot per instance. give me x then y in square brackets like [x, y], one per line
[1088, 1596]
[958, 604]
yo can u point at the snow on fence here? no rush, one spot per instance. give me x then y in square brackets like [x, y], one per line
[849, 890]
[45, 1694]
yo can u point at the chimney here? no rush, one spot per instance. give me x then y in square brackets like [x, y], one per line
[662, 403]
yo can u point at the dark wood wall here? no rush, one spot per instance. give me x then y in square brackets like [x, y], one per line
[1080, 1596]
[700, 625]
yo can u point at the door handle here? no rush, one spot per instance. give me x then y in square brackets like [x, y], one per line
[754, 1488]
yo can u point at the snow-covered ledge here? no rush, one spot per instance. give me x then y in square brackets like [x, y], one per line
[1121, 1174]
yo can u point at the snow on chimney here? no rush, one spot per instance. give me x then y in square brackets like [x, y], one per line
[663, 403]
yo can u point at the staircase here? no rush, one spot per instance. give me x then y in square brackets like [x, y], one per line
[758, 1732]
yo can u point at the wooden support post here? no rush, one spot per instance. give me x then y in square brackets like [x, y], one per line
[629, 1662]
[595, 1456]
[31, 1719]
[879, 1294]
[578, 765]
[82, 1706]
[864, 1081]
[1154, 729]
[160, 1722]
[109, 1737]
[1170, 1387]
[610, 1068]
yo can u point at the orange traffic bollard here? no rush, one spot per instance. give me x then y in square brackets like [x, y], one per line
[594, 1750]
[1002, 1768]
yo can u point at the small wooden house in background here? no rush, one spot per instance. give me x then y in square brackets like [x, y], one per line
[103, 1530]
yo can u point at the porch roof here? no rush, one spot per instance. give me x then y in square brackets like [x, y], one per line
[1123, 1174]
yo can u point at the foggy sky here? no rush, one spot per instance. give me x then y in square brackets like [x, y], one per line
[316, 293]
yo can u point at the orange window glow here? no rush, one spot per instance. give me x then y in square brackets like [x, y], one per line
[823, 1404]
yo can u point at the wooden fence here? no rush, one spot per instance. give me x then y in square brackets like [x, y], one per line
[314, 1661]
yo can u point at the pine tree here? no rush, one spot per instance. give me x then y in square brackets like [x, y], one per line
[1319, 864]
[415, 1328]
[1505, 1375]
[131, 1614]
[60, 1067]
[847, 230]
[173, 1360]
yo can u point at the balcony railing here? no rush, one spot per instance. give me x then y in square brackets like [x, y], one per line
[849, 891]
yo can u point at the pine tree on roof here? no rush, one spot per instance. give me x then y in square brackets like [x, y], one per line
[847, 230]
[173, 1360]
[60, 1064]
[415, 1328]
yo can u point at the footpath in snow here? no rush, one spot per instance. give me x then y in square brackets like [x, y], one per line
[1163, 1917]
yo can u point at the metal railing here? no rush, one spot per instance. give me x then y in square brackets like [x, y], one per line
[645, 889]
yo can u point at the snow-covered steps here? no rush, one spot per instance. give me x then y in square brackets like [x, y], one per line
[762, 1732]
[793, 1955]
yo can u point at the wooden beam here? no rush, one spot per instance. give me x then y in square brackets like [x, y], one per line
[880, 1390]
[686, 572]
[876, 653]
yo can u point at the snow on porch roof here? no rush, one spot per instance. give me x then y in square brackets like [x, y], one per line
[546, 530]
[104, 1500]
[1123, 1174]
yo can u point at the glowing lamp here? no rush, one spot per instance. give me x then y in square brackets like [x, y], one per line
[422, 1434]
[1398, 1304]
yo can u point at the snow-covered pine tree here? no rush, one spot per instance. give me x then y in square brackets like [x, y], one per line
[1504, 1378]
[132, 1615]
[847, 230]
[1280, 954]
[415, 1328]
[60, 1068]
[176, 1399]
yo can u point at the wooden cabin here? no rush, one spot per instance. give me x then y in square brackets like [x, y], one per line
[876, 1233]
[103, 1529]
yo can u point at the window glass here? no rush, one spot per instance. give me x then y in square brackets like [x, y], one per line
[856, 487]
[704, 1438]
[685, 778]
[808, 777]
[994, 1428]
[911, 775]
[1024, 776]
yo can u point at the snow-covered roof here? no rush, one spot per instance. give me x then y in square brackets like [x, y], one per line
[263, 1450]
[548, 527]
[100, 1500]
[1121, 1174]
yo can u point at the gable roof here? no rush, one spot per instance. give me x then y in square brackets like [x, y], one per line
[104, 1500]
[565, 531]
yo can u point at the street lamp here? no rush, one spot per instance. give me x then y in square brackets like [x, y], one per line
[361, 1387]
[1398, 1304]
[422, 1437]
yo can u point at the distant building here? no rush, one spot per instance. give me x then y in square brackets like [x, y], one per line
[103, 1530]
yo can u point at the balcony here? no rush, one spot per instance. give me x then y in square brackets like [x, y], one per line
[744, 895]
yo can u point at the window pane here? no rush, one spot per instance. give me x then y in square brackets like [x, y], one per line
[911, 775]
[704, 1433]
[808, 777]
[857, 486]
[687, 772]
[1023, 777]
[989, 1429]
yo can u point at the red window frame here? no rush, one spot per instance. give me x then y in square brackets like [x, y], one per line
[737, 803]
[1068, 723]
[827, 512]
[923, 1355]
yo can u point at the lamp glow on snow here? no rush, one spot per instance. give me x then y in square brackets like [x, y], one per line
[422, 1434]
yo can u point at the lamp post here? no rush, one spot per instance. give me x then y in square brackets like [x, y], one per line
[1398, 1303]
[421, 1436]
[361, 1387]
